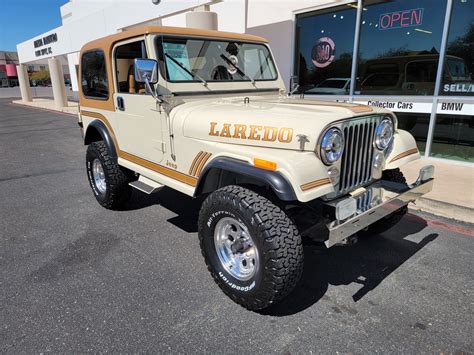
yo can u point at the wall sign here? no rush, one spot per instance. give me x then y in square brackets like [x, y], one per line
[401, 106]
[454, 107]
[461, 88]
[401, 19]
[448, 107]
[43, 42]
[323, 52]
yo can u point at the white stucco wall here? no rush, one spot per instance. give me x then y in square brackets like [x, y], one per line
[86, 20]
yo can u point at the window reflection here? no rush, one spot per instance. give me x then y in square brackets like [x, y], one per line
[454, 137]
[399, 47]
[417, 124]
[458, 78]
[324, 47]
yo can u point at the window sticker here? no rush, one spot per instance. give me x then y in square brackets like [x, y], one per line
[231, 67]
[323, 52]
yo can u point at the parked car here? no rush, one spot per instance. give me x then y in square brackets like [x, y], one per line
[333, 86]
[409, 75]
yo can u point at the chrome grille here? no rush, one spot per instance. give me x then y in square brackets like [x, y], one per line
[356, 161]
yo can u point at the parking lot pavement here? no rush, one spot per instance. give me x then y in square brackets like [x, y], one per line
[76, 277]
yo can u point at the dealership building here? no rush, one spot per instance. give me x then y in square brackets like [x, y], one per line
[414, 57]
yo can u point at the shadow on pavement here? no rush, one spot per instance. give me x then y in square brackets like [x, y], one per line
[185, 208]
[366, 263]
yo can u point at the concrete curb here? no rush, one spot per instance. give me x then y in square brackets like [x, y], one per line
[443, 209]
[62, 111]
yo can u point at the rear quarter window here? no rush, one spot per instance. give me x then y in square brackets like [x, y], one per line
[94, 75]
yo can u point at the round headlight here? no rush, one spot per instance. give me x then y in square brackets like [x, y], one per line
[384, 134]
[332, 146]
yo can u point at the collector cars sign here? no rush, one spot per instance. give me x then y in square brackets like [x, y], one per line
[323, 52]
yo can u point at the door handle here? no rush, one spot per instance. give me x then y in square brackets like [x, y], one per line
[120, 103]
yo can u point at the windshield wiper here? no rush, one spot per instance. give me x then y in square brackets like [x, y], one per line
[241, 73]
[193, 75]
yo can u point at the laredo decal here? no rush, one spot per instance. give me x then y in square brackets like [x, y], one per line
[253, 132]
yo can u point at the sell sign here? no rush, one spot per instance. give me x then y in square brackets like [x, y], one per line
[401, 19]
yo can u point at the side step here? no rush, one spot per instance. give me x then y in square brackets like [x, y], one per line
[146, 185]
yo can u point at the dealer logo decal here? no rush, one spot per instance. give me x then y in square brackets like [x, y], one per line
[323, 52]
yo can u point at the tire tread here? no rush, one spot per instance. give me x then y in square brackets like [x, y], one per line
[281, 241]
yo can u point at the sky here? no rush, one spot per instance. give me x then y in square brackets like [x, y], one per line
[22, 19]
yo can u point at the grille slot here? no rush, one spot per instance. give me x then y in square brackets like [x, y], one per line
[358, 153]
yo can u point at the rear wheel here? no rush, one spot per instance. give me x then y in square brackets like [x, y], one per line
[108, 180]
[384, 224]
[251, 247]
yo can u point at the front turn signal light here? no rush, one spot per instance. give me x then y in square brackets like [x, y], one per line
[265, 164]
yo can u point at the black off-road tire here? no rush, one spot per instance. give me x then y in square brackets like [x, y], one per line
[118, 191]
[276, 238]
[383, 225]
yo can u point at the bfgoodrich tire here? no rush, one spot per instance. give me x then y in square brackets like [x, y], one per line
[109, 182]
[251, 248]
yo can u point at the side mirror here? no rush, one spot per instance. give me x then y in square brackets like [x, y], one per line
[146, 71]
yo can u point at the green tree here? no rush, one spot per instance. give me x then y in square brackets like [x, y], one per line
[41, 77]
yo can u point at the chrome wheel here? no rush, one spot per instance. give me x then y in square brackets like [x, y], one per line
[99, 176]
[236, 249]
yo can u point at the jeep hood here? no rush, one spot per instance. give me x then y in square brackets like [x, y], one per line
[272, 122]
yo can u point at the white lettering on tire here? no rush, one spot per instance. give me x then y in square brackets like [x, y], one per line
[216, 214]
[234, 286]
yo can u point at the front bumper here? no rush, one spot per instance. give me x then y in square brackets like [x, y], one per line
[376, 202]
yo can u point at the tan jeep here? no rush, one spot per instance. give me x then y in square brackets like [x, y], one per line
[205, 113]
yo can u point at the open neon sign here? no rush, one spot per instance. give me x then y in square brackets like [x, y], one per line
[401, 19]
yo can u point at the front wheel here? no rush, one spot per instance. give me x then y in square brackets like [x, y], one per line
[251, 247]
[108, 180]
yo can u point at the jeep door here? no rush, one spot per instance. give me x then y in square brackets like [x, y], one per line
[139, 121]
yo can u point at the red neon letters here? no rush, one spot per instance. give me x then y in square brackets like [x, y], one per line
[401, 19]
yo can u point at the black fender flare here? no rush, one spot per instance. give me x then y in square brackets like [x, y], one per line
[106, 136]
[277, 182]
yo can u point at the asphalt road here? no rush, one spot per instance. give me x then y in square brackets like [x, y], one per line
[76, 277]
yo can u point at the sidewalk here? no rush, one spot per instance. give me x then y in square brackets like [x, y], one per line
[48, 104]
[453, 191]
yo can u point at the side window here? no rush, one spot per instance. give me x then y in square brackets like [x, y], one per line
[94, 75]
[124, 57]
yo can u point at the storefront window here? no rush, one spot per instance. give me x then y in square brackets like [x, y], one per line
[399, 47]
[458, 77]
[417, 124]
[454, 138]
[324, 47]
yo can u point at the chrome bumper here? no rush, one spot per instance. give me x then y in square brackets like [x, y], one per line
[375, 202]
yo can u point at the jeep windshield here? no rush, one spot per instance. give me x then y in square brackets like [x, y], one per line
[203, 60]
